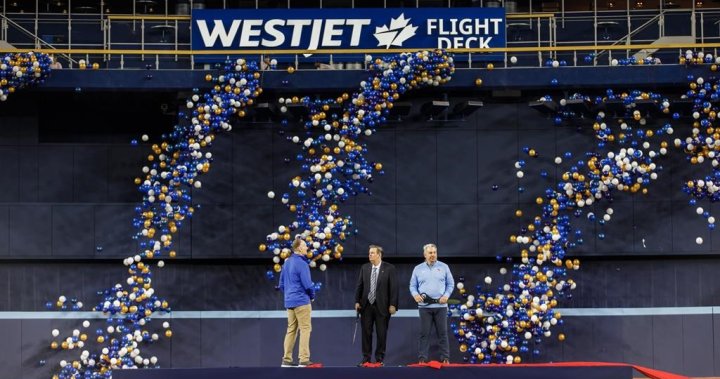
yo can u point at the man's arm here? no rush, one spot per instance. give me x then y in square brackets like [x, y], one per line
[306, 281]
[359, 289]
[414, 287]
[281, 286]
[449, 282]
[393, 289]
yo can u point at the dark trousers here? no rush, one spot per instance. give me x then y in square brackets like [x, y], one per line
[433, 318]
[371, 317]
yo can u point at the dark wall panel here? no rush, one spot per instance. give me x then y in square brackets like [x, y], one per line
[227, 342]
[253, 166]
[651, 236]
[416, 226]
[436, 173]
[212, 234]
[457, 181]
[91, 174]
[377, 228]
[497, 182]
[4, 231]
[636, 343]
[667, 337]
[251, 223]
[73, 231]
[458, 229]
[417, 170]
[696, 343]
[382, 148]
[56, 173]
[113, 230]
[30, 230]
[9, 182]
[11, 359]
[29, 175]
[218, 181]
[124, 165]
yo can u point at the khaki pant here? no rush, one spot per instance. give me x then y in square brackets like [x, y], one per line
[298, 318]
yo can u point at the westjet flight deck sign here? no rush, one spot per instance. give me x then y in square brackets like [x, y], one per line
[326, 29]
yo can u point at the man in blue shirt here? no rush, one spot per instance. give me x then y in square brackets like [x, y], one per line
[431, 285]
[299, 292]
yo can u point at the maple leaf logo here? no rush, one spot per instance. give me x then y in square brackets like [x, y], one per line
[399, 31]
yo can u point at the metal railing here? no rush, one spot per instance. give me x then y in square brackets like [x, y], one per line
[39, 43]
[675, 50]
[533, 38]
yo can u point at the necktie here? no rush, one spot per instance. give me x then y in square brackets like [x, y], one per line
[373, 284]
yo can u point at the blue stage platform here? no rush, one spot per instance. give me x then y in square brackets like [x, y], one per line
[454, 372]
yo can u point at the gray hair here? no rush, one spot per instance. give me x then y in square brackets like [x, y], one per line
[378, 248]
[428, 246]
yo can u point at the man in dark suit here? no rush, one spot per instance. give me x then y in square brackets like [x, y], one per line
[376, 299]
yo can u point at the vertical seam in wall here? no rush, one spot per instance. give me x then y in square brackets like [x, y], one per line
[19, 175]
[107, 172]
[232, 192]
[37, 173]
[517, 156]
[437, 190]
[395, 130]
[272, 172]
[477, 185]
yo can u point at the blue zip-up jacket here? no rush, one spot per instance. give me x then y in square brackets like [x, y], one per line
[295, 282]
[435, 281]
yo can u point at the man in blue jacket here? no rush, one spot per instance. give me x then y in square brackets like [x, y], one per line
[431, 285]
[299, 292]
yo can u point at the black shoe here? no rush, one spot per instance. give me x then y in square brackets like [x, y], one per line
[288, 364]
[422, 361]
[380, 363]
[446, 361]
[306, 364]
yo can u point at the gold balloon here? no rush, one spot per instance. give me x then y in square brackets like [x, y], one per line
[291, 70]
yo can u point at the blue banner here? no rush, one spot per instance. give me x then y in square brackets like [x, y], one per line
[359, 28]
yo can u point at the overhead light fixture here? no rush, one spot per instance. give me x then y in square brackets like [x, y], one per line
[466, 108]
[546, 107]
[263, 112]
[681, 106]
[433, 108]
[298, 111]
[580, 107]
[614, 106]
[399, 111]
[647, 107]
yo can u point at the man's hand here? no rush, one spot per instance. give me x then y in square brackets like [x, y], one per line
[443, 300]
[392, 310]
[357, 307]
[418, 299]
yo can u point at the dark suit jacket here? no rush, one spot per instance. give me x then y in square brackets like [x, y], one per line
[386, 290]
